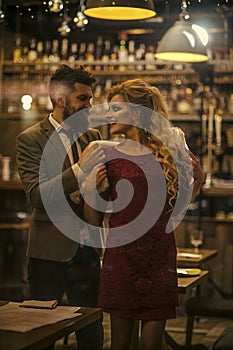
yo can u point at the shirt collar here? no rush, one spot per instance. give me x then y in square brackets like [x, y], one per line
[54, 123]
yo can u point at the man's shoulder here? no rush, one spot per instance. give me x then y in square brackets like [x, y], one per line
[34, 129]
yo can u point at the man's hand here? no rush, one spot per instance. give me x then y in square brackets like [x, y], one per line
[198, 175]
[92, 155]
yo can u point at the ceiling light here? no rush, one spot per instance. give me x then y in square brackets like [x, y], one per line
[64, 29]
[55, 5]
[120, 9]
[80, 20]
[183, 42]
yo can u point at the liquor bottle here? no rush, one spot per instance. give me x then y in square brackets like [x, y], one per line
[82, 51]
[140, 56]
[90, 56]
[17, 53]
[32, 53]
[46, 55]
[98, 52]
[150, 58]
[106, 54]
[113, 58]
[40, 54]
[73, 55]
[131, 56]
[64, 49]
[98, 91]
[108, 84]
[25, 54]
[54, 57]
[123, 52]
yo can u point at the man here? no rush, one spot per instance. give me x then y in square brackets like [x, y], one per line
[52, 177]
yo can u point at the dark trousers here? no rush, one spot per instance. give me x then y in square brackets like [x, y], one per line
[79, 279]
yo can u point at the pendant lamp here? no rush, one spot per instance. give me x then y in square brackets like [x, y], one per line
[183, 42]
[120, 9]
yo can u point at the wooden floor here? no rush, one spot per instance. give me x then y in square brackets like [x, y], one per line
[206, 332]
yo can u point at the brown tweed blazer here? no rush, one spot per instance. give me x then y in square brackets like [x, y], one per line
[42, 173]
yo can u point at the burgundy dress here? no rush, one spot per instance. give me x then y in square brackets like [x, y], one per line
[138, 279]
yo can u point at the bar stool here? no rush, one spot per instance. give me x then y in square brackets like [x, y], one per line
[208, 307]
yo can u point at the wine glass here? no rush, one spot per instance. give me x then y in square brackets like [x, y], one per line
[196, 239]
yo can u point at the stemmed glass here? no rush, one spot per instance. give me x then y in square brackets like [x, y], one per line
[196, 239]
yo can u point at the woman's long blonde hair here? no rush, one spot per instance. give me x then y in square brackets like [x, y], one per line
[154, 121]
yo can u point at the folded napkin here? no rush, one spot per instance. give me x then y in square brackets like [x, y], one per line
[39, 304]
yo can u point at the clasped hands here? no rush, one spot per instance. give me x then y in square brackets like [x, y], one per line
[91, 163]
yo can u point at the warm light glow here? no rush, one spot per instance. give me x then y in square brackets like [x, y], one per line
[181, 57]
[181, 43]
[26, 102]
[120, 9]
[202, 34]
[119, 13]
[190, 38]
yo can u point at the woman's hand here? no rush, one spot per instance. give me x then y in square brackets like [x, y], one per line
[92, 155]
[97, 179]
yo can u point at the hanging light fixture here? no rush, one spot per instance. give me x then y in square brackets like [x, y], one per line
[120, 9]
[55, 5]
[80, 19]
[183, 42]
[64, 28]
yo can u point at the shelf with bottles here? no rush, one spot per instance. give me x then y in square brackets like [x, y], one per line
[139, 68]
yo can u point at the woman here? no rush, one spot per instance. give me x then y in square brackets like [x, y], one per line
[138, 277]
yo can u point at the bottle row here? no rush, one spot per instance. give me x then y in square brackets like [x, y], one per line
[182, 98]
[102, 50]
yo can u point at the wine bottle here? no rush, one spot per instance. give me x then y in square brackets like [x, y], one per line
[131, 56]
[73, 55]
[17, 53]
[98, 52]
[64, 49]
[32, 53]
[106, 54]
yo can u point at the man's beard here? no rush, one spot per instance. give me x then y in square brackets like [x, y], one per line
[77, 120]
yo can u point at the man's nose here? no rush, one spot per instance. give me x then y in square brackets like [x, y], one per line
[87, 104]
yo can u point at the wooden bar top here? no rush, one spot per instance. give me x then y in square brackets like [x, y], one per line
[15, 185]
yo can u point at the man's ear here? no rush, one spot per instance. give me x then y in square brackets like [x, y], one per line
[61, 100]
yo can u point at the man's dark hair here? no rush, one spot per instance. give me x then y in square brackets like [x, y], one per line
[68, 76]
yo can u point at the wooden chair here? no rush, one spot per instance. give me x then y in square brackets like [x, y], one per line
[207, 307]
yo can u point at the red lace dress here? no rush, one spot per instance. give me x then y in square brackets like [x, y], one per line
[138, 278]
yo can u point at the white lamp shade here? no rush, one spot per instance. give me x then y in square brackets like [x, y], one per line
[120, 9]
[181, 44]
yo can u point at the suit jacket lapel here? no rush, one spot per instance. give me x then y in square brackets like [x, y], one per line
[55, 140]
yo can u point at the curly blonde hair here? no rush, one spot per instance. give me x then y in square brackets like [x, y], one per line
[154, 121]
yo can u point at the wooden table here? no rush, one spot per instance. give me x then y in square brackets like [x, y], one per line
[189, 261]
[186, 284]
[40, 338]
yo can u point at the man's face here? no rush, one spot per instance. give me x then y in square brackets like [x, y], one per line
[77, 100]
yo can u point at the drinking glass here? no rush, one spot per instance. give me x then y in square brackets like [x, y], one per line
[196, 239]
